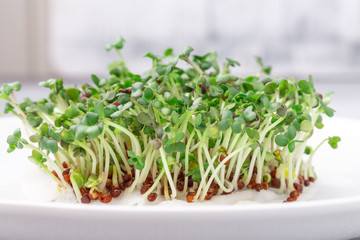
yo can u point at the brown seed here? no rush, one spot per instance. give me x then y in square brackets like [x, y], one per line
[258, 187]
[231, 177]
[66, 171]
[294, 194]
[203, 88]
[240, 184]
[163, 190]
[213, 189]
[152, 197]
[85, 199]
[275, 183]
[108, 184]
[105, 198]
[149, 177]
[255, 170]
[301, 181]
[216, 190]
[129, 183]
[127, 177]
[55, 174]
[116, 103]
[94, 195]
[180, 185]
[115, 192]
[190, 182]
[265, 185]
[289, 199]
[222, 157]
[190, 199]
[67, 178]
[226, 193]
[307, 182]
[122, 186]
[298, 187]
[144, 189]
[312, 179]
[64, 164]
[181, 176]
[125, 90]
[208, 196]
[273, 173]
[83, 191]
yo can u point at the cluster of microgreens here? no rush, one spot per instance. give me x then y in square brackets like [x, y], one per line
[200, 122]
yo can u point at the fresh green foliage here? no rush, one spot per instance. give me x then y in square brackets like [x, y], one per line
[172, 126]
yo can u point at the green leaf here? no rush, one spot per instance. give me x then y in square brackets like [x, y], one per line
[131, 154]
[136, 93]
[283, 87]
[137, 86]
[333, 141]
[304, 86]
[52, 146]
[93, 131]
[270, 88]
[95, 79]
[329, 111]
[123, 98]
[168, 52]
[12, 139]
[291, 133]
[78, 179]
[198, 120]
[67, 136]
[11, 149]
[178, 137]
[186, 52]
[17, 133]
[148, 93]
[281, 140]
[170, 148]
[140, 163]
[72, 111]
[100, 109]
[91, 118]
[144, 119]
[15, 86]
[236, 127]
[308, 150]
[152, 56]
[224, 124]
[306, 126]
[249, 114]
[157, 104]
[166, 111]
[35, 138]
[180, 147]
[252, 133]
[291, 146]
[73, 94]
[8, 108]
[282, 110]
[80, 132]
[232, 62]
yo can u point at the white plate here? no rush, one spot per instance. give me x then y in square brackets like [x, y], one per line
[332, 213]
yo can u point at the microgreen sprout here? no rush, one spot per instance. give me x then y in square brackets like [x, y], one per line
[191, 132]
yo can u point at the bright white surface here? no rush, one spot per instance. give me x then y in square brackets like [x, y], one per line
[332, 213]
